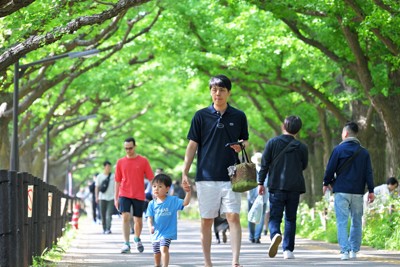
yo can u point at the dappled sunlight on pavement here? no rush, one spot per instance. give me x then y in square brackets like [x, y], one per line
[92, 248]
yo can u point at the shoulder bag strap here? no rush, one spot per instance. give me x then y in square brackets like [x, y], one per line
[280, 154]
[347, 163]
[241, 145]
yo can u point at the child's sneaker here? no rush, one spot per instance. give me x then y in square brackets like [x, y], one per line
[126, 248]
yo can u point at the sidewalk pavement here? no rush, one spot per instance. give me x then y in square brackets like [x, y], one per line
[92, 248]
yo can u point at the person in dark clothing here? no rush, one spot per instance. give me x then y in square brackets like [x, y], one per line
[285, 183]
[92, 189]
[211, 129]
[349, 170]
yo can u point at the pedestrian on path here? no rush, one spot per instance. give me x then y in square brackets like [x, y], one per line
[95, 207]
[349, 171]
[162, 217]
[212, 128]
[105, 199]
[129, 191]
[255, 230]
[284, 159]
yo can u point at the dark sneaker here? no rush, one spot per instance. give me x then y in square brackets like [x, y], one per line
[273, 248]
[224, 238]
[139, 246]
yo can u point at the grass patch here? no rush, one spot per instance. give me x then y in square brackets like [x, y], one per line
[50, 257]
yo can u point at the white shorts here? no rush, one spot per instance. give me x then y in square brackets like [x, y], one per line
[217, 198]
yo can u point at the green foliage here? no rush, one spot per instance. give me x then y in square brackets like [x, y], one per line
[50, 257]
[380, 231]
[284, 57]
[382, 220]
[317, 223]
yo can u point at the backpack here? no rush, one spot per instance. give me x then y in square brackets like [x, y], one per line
[104, 184]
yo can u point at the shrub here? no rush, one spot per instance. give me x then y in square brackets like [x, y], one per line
[380, 231]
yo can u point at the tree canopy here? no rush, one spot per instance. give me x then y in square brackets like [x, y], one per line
[326, 61]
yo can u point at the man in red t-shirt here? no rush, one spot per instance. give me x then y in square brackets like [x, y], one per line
[129, 191]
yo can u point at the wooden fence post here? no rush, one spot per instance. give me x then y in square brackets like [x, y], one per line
[21, 208]
[33, 215]
[5, 227]
[35, 218]
[13, 205]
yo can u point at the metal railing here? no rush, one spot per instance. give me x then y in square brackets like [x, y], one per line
[33, 215]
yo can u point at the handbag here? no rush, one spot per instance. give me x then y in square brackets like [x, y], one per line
[256, 210]
[243, 175]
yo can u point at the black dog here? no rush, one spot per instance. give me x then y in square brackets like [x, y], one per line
[220, 224]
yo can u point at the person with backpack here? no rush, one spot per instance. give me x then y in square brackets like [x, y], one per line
[105, 187]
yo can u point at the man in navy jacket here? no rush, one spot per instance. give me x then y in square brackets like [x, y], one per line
[348, 181]
[285, 183]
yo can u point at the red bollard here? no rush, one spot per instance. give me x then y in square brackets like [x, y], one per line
[75, 216]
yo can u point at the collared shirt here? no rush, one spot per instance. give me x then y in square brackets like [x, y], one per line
[212, 131]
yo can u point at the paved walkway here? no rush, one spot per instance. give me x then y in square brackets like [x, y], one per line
[92, 248]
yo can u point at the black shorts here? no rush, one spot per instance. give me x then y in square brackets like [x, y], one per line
[125, 205]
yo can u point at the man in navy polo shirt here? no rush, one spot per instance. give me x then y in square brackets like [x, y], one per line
[211, 129]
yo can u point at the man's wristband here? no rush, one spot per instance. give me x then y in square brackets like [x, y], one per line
[260, 183]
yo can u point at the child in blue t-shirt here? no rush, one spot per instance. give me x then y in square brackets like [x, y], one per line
[162, 217]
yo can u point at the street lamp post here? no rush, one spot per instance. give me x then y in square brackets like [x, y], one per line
[47, 148]
[19, 71]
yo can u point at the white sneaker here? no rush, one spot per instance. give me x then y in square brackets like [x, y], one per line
[273, 248]
[126, 248]
[345, 256]
[287, 254]
[353, 255]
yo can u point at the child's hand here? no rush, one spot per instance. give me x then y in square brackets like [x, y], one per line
[186, 186]
[152, 230]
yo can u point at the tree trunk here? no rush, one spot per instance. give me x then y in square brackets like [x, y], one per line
[389, 110]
